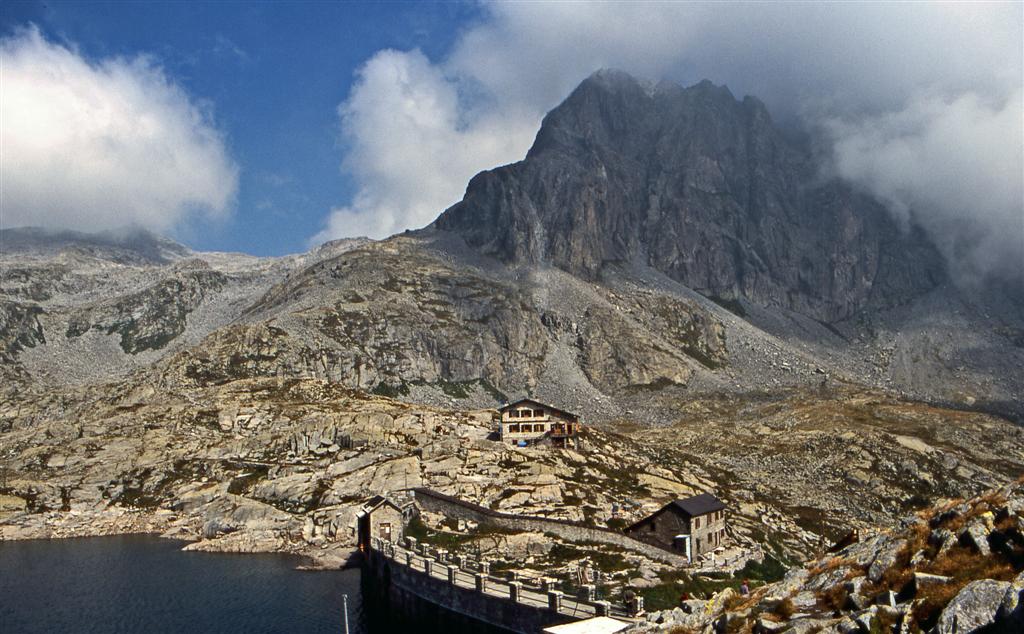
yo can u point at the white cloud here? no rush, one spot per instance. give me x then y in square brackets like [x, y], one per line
[413, 146]
[925, 85]
[100, 145]
[957, 165]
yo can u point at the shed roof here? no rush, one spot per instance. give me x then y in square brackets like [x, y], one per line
[524, 401]
[699, 504]
[691, 507]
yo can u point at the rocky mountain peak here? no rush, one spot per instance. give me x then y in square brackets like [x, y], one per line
[699, 186]
[614, 109]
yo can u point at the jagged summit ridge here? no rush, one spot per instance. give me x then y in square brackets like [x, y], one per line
[700, 186]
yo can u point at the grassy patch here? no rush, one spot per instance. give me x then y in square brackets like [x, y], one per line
[771, 569]
[603, 560]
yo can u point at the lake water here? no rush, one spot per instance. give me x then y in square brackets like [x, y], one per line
[108, 585]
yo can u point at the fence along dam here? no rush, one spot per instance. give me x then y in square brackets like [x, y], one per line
[418, 581]
[432, 588]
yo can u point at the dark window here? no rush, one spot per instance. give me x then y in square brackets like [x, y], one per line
[654, 526]
[696, 522]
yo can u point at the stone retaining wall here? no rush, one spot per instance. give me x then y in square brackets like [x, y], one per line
[434, 502]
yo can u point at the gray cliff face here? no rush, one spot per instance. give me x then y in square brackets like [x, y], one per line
[701, 187]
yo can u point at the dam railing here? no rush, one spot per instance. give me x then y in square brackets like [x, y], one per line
[467, 573]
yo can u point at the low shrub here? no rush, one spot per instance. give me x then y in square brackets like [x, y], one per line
[785, 609]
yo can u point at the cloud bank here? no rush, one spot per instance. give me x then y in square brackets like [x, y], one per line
[101, 145]
[919, 103]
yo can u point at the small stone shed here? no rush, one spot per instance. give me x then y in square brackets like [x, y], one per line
[527, 420]
[383, 518]
[691, 527]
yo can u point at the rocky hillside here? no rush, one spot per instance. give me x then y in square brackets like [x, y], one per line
[283, 464]
[80, 308]
[954, 568]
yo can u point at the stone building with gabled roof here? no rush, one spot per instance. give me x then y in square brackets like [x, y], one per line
[528, 420]
[692, 526]
[382, 518]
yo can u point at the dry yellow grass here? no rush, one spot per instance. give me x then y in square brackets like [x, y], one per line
[930, 603]
[963, 564]
[831, 564]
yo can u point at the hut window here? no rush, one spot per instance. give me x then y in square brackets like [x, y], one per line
[538, 412]
[696, 523]
[653, 525]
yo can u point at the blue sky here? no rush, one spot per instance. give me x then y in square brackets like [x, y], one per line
[273, 75]
[270, 127]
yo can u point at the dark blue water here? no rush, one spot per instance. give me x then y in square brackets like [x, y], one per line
[113, 585]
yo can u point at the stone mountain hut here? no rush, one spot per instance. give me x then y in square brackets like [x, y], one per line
[380, 517]
[691, 527]
[527, 420]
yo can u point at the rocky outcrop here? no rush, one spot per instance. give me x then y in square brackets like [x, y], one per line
[703, 188]
[151, 318]
[975, 607]
[19, 329]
